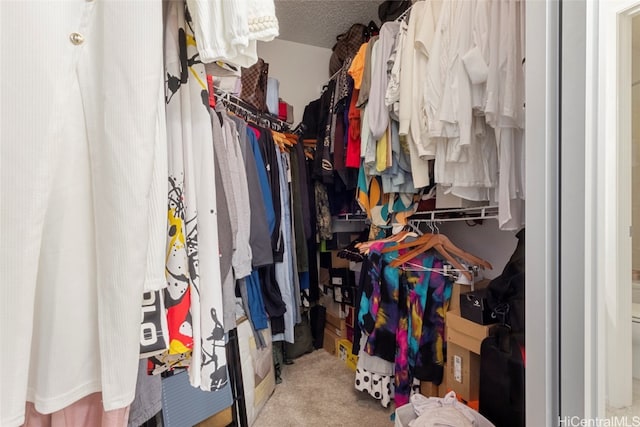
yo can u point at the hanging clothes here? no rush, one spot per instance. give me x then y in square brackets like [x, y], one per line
[285, 270]
[267, 148]
[76, 195]
[188, 119]
[227, 225]
[402, 313]
[259, 239]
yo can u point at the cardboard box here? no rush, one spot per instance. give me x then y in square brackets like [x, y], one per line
[329, 341]
[443, 388]
[337, 262]
[334, 320]
[324, 277]
[327, 301]
[429, 389]
[336, 325]
[221, 419]
[474, 307]
[463, 372]
[465, 333]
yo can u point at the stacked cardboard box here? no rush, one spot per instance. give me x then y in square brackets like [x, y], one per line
[334, 330]
[464, 339]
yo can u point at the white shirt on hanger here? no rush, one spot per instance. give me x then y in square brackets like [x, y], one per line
[377, 109]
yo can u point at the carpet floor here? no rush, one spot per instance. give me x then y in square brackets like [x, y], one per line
[317, 390]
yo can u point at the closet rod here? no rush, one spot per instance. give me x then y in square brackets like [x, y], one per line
[229, 99]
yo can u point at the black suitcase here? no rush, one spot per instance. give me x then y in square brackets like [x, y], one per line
[502, 378]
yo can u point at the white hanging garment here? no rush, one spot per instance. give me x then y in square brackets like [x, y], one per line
[426, 14]
[182, 259]
[228, 30]
[392, 95]
[79, 129]
[377, 110]
[505, 109]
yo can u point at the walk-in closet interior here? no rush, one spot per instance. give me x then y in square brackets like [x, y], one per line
[205, 201]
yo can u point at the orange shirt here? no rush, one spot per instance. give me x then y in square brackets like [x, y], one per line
[357, 66]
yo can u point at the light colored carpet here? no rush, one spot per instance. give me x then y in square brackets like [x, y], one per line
[317, 390]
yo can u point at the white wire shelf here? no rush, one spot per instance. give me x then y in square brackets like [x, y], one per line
[435, 216]
[360, 216]
[451, 215]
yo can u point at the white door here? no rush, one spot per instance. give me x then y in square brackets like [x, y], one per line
[578, 208]
[595, 198]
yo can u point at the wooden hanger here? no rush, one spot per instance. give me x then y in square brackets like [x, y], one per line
[443, 246]
[281, 141]
[364, 247]
[420, 240]
[439, 247]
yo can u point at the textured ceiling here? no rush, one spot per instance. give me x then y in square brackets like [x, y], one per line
[317, 22]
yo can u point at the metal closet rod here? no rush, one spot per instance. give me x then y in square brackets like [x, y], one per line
[230, 99]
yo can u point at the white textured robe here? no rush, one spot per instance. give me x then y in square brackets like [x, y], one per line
[79, 131]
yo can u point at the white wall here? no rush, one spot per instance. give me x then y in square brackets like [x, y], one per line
[486, 241]
[301, 69]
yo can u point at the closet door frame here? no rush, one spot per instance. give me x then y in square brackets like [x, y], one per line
[542, 21]
[581, 211]
[595, 207]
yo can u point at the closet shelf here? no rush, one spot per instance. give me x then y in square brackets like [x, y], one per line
[451, 215]
[351, 217]
[439, 215]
